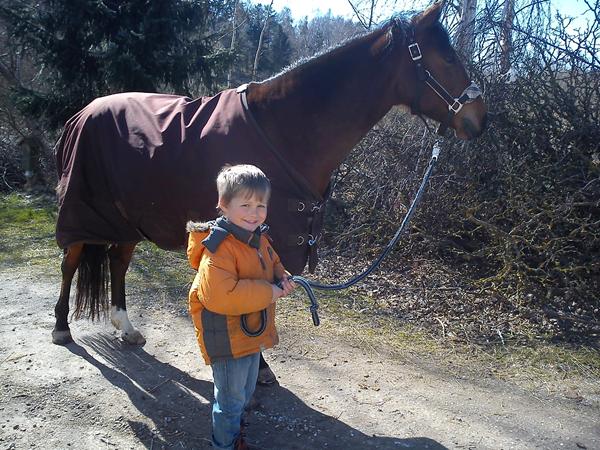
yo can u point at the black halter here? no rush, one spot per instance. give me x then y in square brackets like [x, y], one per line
[469, 94]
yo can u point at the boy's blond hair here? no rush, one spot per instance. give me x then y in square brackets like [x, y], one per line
[242, 179]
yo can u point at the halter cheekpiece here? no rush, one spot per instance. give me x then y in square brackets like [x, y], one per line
[455, 104]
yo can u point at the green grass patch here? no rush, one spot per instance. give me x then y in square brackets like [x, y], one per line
[27, 238]
[155, 268]
[27, 225]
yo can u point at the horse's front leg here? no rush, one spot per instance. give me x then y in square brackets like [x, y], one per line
[119, 257]
[61, 334]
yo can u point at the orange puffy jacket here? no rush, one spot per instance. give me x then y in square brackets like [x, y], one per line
[231, 282]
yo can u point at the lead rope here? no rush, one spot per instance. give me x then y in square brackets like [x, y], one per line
[309, 285]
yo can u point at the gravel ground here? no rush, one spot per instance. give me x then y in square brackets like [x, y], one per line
[99, 393]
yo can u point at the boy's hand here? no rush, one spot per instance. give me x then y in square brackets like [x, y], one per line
[287, 286]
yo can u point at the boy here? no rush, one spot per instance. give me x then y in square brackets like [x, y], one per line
[232, 298]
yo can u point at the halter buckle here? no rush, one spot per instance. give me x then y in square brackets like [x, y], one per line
[415, 51]
[456, 106]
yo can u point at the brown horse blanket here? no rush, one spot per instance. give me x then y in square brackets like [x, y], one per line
[137, 166]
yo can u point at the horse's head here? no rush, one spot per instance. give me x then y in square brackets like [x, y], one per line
[432, 80]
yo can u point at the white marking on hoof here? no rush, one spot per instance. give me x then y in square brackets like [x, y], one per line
[119, 319]
[61, 337]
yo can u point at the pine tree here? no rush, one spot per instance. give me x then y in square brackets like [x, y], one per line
[89, 48]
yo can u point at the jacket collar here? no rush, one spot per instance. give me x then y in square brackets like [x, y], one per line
[245, 236]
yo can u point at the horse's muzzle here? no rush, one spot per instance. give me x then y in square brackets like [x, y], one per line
[470, 130]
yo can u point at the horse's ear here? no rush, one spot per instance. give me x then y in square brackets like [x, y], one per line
[430, 16]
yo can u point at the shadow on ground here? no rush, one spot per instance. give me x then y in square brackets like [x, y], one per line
[174, 407]
[176, 404]
[283, 418]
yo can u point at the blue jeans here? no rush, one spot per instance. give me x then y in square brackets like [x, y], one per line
[235, 380]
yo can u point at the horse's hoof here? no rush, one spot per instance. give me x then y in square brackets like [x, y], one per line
[61, 337]
[134, 337]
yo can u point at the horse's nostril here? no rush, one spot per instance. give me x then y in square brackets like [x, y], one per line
[474, 128]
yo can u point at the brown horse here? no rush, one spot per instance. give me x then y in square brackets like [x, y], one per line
[138, 166]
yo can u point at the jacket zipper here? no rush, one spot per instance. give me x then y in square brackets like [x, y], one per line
[262, 261]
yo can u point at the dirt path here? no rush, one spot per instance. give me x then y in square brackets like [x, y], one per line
[98, 393]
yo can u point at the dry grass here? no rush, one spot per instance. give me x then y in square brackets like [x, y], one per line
[535, 364]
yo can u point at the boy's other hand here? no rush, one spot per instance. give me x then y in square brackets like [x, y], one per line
[287, 286]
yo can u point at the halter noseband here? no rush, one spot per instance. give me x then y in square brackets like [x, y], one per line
[469, 94]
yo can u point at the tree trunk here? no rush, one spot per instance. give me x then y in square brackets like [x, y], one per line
[466, 29]
[233, 40]
[29, 130]
[506, 36]
[260, 41]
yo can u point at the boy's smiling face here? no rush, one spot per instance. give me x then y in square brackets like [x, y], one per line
[246, 210]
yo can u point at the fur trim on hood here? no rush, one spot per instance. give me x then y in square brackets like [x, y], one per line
[191, 226]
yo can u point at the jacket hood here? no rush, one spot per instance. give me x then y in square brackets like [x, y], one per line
[210, 235]
[198, 232]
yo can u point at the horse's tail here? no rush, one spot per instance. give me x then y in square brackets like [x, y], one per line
[92, 282]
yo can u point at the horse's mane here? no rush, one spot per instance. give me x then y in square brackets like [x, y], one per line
[398, 21]
[401, 25]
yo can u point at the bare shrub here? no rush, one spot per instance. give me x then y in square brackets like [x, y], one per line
[517, 211]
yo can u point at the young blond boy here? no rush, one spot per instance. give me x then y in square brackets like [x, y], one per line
[232, 298]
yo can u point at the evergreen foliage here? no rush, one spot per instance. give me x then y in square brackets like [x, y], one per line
[86, 48]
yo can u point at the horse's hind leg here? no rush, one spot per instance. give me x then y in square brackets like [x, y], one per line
[62, 334]
[119, 256]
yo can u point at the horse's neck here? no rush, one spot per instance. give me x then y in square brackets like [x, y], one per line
[317, 112]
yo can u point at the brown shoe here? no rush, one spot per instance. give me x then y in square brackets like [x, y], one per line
[252, 403]
[266, 377]
[241, 444]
